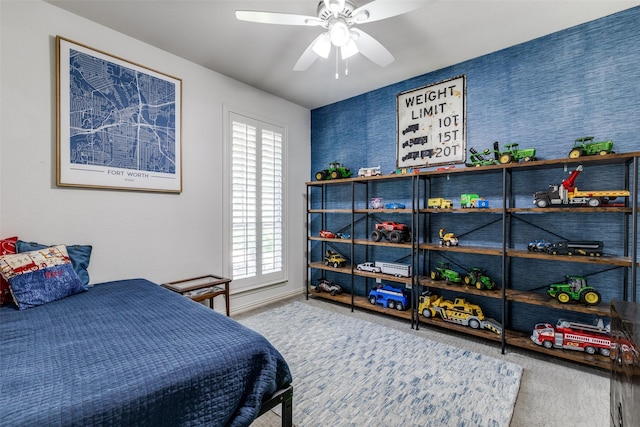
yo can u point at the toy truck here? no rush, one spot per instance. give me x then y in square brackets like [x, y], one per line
[574, 288]
[458, 311]
[334, 259]
[574, 336]
[393, 231]
[586, 147]
[373, 171]
[335, 171]
[447, 239]
[390, 297]
[567, 193]
[577, 247]
[469, 200]
[443, 272]
[393, 268]
[439, 203]
[368, 266]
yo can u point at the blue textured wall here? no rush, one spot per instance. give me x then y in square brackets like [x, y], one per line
[544, 93]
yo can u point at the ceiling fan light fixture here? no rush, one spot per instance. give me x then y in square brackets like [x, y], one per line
[335, 6]
[322, 46]
[349, 49]
[339, 33]
[361, 17]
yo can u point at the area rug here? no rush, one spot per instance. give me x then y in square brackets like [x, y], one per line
[350, 372]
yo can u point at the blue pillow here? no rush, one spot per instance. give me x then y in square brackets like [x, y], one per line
[80, 256]
[45, 285]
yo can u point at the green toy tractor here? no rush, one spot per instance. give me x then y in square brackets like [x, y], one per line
[336, 171]
[444, 272]
[574, 288]
[585, 146]
[477, 277]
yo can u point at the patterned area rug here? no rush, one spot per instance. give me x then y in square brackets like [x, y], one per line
[349, 372]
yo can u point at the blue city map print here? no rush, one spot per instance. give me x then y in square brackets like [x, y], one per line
[120, 117]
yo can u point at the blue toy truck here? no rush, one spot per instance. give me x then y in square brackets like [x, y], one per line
[390, 297]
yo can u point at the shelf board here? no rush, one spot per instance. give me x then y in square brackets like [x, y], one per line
[606, 259]
[320, 266]
[461, 210]
[385, 211]
[325, 239]
[464, 249]
[329, 211]
[406, 245]
[472, 290]
[581, 209]
[545, 300]
[609, 159]
[596, 360]
[362, 302]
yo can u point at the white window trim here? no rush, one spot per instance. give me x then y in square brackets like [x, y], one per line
[243, 285]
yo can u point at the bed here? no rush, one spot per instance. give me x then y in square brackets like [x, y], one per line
[131, 352]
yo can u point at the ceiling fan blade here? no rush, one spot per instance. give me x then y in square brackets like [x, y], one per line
[372, 48]
[382, 9]
[307, 58]
[277, 18]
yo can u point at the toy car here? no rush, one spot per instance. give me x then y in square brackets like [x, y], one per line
[343, 236]
[328, 286]
[334, 259]
[390, 297]
[393, 231]
[369, 266]
[327, 234]
[394, 206]
[538, 245]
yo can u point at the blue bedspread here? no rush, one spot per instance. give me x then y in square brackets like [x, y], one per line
[131, 353]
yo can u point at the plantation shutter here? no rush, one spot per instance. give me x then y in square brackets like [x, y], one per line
[256, 199]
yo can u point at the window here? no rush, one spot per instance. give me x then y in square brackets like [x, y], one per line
[257, 200]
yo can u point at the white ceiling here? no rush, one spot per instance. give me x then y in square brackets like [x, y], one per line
[439, 34]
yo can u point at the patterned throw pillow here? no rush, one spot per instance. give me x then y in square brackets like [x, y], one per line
[41, 276]
[7, 246]
[79, 254]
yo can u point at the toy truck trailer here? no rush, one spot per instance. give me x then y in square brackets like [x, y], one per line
[395, 269]
[567, 193]
[459, 311]
[573, 336]
[585, 248]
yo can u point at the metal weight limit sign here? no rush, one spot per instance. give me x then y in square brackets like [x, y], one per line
[432, 124]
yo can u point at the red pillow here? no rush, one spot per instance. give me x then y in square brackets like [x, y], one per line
[7, 246]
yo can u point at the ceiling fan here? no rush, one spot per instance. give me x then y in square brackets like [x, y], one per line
[338, 18]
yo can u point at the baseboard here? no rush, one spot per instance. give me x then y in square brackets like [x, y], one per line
[262, 302]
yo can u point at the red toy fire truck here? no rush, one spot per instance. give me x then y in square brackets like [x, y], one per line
[574, 336]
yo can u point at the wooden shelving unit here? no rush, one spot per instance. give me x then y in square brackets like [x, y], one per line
[502, 248]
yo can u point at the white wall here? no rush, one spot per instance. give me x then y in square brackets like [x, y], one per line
[162, 237]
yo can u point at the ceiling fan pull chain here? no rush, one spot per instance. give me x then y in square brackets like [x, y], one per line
[346, 67]
[337, 71]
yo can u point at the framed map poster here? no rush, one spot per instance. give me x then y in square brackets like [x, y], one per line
[119, 123]
[432, 124]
